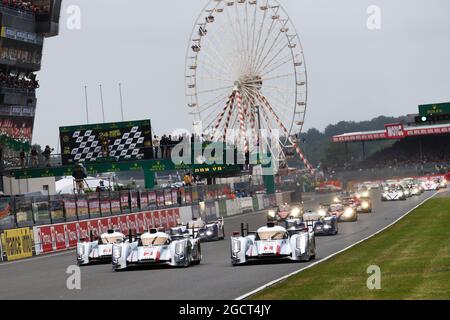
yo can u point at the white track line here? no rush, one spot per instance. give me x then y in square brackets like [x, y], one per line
[272, 283]
[37, 258]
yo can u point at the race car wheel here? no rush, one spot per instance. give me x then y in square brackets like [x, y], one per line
[199, 256]
[188, 260]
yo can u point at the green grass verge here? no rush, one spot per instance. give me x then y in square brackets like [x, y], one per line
[414, 257]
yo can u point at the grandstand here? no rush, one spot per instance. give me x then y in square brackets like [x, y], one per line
[422, 146]
[24, 26]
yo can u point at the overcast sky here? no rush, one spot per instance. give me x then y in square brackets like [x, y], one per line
[354, 73]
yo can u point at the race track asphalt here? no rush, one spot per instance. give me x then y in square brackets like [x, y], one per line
[45, 278]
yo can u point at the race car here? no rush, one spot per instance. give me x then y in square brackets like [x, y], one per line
[364, 205]
[206, 232]
[393, 193]
[430, 185]
[336, 209]
[363, 193]
[89, 252]
[350, 213]
[414, 186]
[443, 183]
[157, 248]
[284, 212]
[273, 242]
[324, 224]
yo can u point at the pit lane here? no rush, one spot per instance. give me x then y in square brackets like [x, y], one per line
[214, 279]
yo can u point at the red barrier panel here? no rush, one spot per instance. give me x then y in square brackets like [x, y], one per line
[64, 236]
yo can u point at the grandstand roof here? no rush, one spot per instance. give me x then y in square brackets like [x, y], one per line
[411, 131]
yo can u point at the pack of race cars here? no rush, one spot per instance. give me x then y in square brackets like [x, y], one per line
[290, 233]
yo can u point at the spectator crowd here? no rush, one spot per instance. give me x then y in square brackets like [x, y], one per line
[10, 81]
[24, 6]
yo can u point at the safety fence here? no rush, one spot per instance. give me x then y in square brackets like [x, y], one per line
[26, 242]
[18, 212]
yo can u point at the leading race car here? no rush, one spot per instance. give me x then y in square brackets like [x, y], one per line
[285, 212]
[213, 231]
[393, 193]
[273, 242]
[99, 250]
[157, 248]
[324, 223]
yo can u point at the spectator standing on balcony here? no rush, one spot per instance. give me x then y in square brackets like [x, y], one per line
[22, 158]
[156, 145]
[79, 174]
[170, 145]
[47, 154]
[163, 144]
[34, 157]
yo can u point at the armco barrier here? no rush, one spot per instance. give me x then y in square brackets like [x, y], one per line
[246, 205]
[57, 237]
[223, 207]
[233, 208]
[255, 204]
[185, 215]
[17, 244]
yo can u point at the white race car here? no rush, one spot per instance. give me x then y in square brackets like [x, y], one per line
[430, 185]
[157, 248]
[273, 242]
[393, 193]
[100, 250]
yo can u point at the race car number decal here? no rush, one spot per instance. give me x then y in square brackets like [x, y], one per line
[150, 253]
[270, 247]
[106, 251]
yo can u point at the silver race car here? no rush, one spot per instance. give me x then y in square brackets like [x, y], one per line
[157, 248]
[273, 242]
[324, 223]
[212, 231]
[100, 250]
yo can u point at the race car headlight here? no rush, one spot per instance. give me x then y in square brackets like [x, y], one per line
[322, 213]
[365, 205]
[117, 252]
[180, 248]
[348, 212]
[236, 246]
[272, 213]
[209, 233]
[327, 226]
[295, 212]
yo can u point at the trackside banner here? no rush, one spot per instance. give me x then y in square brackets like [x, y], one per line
[17, 244]
[57, 237]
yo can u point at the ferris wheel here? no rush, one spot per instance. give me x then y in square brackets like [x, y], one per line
[246, 72]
